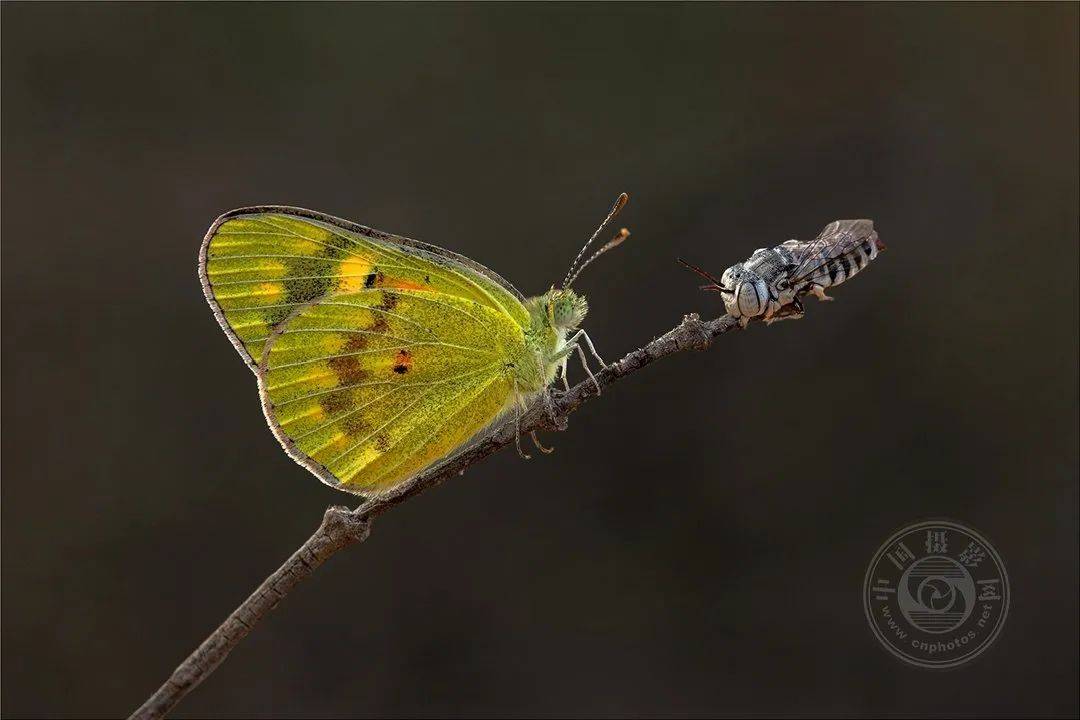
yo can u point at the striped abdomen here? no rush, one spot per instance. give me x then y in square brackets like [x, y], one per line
[833, 269]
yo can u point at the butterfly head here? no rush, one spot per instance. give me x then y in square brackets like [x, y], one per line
[565, 308]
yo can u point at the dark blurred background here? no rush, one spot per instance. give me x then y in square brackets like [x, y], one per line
[697, 543]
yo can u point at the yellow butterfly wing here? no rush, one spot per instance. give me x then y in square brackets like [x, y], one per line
[376, 356]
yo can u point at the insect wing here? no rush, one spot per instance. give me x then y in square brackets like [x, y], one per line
[837, 239]
[366, 388]
[258, 265]
[375, 355]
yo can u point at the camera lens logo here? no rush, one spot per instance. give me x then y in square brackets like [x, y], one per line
[936, 594]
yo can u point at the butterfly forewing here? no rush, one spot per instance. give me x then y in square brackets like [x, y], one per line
[259, 265]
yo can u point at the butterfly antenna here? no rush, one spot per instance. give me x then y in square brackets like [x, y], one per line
[702, 273]
[574, 270]
[609, 245]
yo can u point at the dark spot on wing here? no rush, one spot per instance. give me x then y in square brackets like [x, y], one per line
[347, 366]
[342, 404]
[307, 279]
[389, 301]
[403, 362]
[374, 279]
[382, 443]
[338, 245]
[335, 402]
[354, 424]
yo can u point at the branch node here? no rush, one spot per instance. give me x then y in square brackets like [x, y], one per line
[694, 333]
[346, 526]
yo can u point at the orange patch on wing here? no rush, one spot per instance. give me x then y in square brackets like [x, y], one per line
[403, 362]
[404, 285]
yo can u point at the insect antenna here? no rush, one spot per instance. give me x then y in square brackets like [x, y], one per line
[575, 270]
[609, 245]
[716, 284]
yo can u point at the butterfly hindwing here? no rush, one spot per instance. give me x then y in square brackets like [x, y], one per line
[360, 388]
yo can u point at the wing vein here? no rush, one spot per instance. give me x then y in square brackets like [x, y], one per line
[422, 396]
[404, 345]
[427, 439]
[354, 386]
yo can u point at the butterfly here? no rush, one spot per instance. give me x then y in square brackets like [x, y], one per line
[377, 355]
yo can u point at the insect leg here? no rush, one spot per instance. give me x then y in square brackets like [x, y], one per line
[517, 426]
[819, 293]
[588, 342]
[786, 313]
[585, 364]
[539, 445]
[562, 357]
[550, 407]
[571, 346]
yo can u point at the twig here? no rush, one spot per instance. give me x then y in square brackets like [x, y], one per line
[342, 527]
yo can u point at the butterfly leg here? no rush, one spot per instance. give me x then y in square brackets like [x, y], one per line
[588, 342]
[549, 406]
[562, 359]
[585, 364]
[517, 427]
[517, 444]
[539, 445]
[819, 293]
